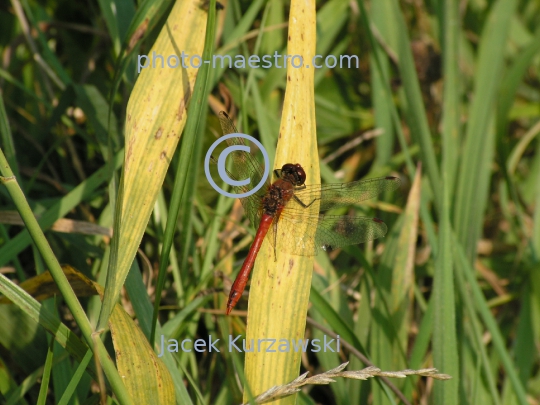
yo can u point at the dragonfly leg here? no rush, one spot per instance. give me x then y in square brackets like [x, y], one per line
[275, 240]
[304, 204]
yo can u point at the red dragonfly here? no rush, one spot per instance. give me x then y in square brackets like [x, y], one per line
[289, 204]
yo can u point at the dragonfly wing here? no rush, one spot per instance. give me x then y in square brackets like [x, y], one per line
[253, 210]
[337, 195]
[335, 231]
[244, 163]
[305, 235]
[244, 166]
[297, 239]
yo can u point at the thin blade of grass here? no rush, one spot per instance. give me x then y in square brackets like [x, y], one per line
[386, 89]
[6, 138]
[76, 379]
[477, 341]
[415, 110]
[421, 345]
[445, 351]
[382, 116]
[444, 331]
[463, 266]
[451, 107]
[44, 387]
[475, 168]
[401, 292]
[59, 209]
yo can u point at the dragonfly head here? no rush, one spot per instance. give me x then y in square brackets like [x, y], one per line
[293, 173]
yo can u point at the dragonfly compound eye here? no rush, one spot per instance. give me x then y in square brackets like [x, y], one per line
[293, 173]
[300, 175]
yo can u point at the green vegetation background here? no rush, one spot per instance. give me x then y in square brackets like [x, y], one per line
[453, 87]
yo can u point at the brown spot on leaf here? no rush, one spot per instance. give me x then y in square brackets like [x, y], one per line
[129, 152]
[183, 103]
[163, 155]
[180, 112]
[159, 133]
[137, 35]
[291, 265]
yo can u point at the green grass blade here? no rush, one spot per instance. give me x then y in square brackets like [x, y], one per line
[47, 375]
[415, 111]
[6, 138]
[475, 169]
[445, 351]
[463, 266]
[476, 338]
[451, 107]
[75, 380]
[59, 209]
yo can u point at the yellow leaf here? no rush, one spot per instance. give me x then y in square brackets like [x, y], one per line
[279, 294]
[156, 115]
[145, 376]
[43, 286]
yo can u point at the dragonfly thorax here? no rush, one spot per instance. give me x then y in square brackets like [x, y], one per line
[277, 196]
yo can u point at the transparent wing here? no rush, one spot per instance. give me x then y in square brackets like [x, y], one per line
[341, 194]
[326, 232]
[244, 166]
[336, 231]
[305, 230]
[300, 225]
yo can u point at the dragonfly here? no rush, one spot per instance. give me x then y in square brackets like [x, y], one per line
[295, 212]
